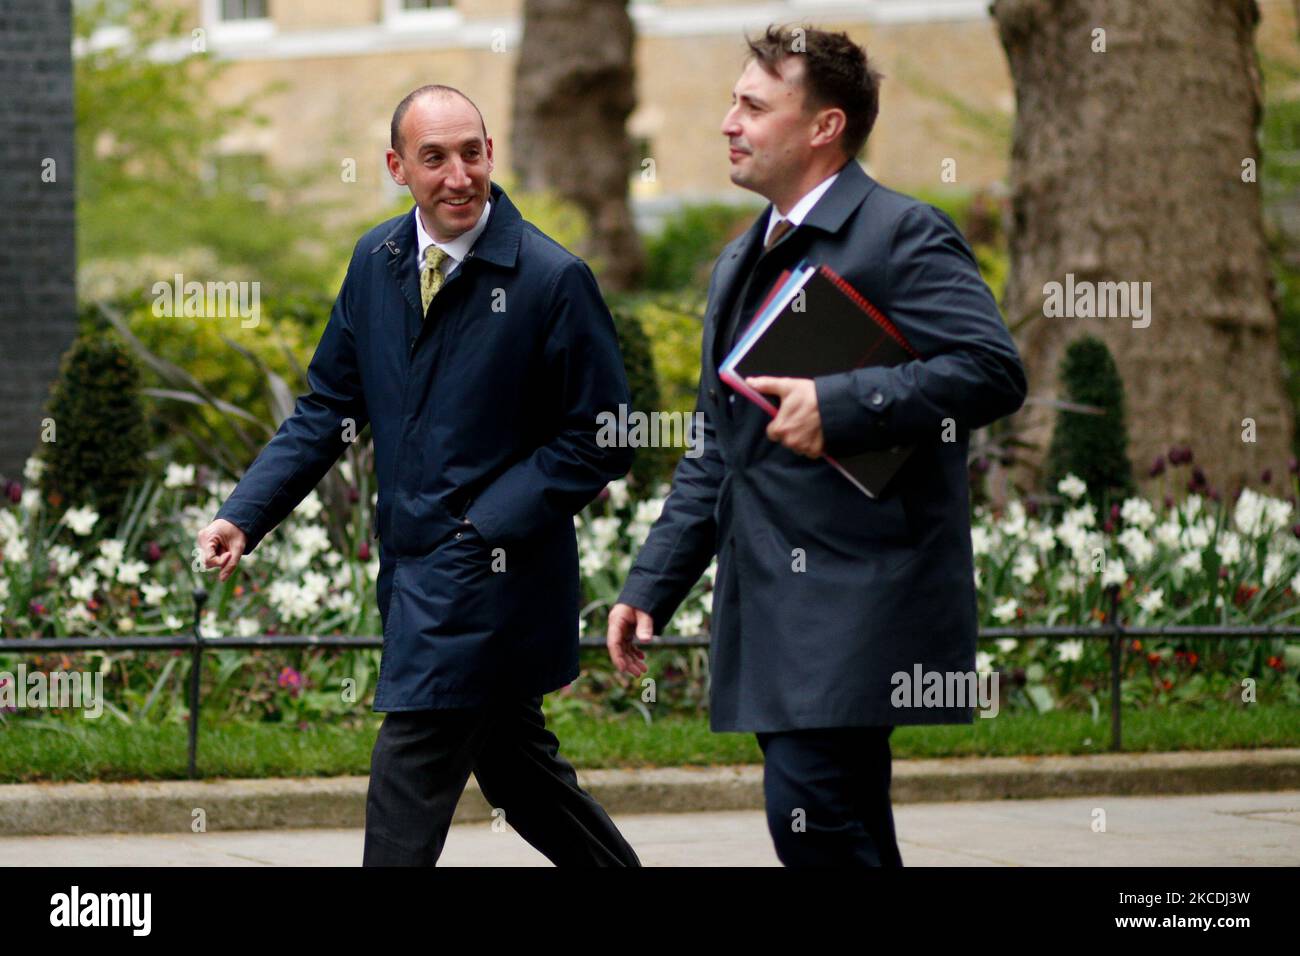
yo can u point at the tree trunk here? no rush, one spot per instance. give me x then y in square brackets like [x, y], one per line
[574, 90]
[1127, 166]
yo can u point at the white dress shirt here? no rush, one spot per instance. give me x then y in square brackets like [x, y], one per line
[802, 207]
[456, 249]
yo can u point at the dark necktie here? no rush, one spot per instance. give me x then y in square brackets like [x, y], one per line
[779, 230]
[741, 307]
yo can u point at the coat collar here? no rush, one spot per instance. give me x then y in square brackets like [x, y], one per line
[498, 244]
[845, 195]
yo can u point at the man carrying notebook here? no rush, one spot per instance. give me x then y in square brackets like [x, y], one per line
[824, 595]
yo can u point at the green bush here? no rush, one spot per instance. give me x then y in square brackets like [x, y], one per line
[681, 256]
[99, 437]
[1092, 447]
[649, 465]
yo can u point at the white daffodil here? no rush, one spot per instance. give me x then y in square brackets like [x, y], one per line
[1138, 513]
[1069, 650]
[689, 623]
[1024, 568]
[1114, 573]
[128, 572]
[15, 550]
[618, 493]
[1274, 561]
[82, 587]
[154, 594]
[1229, 548]
[1005, 611]
[178, 476]
[310, 507]
[1152, 601]
[80, 520]
[1072, 487]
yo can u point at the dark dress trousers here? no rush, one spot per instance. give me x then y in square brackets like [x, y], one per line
[484, 415]
[887, 584]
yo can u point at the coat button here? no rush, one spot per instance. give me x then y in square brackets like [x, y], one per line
[459, 535]
[877, 398]
[732, 399]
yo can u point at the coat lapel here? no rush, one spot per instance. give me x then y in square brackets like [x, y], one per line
[730, 276]
[402, 250]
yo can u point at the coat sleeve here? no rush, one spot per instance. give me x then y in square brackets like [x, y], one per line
[583, 372]
[684, 538]
[311, 439]
[971, 372]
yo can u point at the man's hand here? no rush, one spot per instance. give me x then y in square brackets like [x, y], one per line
[221, 544]
[623, 620]
[798, 423]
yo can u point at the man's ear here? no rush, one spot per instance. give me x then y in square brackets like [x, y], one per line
[394, 164]
[489, 153]
[827, 125]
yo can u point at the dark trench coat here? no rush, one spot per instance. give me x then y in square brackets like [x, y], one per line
[887, 583]
[484, 419]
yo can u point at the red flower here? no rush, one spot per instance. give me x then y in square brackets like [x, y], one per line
[363, 551]
[1244, 593]
[1153, 658]
[1137, 645]
[1168, 684]
[1275, 662]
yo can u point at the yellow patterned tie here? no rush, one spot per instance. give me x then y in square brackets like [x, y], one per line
[431, 275]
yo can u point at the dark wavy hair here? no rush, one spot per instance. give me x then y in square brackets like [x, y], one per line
[836, 72]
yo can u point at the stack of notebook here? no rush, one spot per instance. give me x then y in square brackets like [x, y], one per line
[814, 323]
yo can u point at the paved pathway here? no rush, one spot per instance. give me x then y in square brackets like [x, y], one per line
[1233, 829]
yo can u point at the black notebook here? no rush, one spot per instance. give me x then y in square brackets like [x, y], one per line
[814, 323]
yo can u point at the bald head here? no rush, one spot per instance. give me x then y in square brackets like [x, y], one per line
[430, 90]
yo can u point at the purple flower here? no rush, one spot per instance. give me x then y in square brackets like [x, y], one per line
[291, 680]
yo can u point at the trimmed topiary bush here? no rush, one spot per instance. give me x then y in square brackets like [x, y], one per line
[1093, 447]
[99, 432]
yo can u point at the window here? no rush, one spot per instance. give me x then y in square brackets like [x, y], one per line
[243, 10]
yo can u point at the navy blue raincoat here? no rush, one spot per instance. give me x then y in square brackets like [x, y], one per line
[484, 415]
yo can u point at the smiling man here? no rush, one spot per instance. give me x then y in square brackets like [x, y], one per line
[823, 594]
[482, 355]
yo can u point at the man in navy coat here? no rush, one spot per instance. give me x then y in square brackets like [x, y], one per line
[482, 355]
[823, 596]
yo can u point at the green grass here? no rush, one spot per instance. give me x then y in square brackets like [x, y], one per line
[75, 749]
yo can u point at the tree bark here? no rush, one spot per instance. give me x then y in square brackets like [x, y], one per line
[574, 90]
[1127, 166]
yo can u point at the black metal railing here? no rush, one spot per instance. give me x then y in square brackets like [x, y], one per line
[1113, 632]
